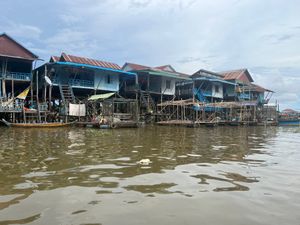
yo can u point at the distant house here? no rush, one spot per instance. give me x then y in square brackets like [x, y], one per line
[244, 88]
[206, 86]
[156, 80]
[80, 76]
[155, 83]
[290, 112]
[15, 66]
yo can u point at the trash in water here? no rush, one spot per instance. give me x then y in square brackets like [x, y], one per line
[144, 162]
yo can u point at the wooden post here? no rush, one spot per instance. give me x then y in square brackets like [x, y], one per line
[31, 88]
[49, 98]
[13, 97]
[24, 115]
[45, 86]
[193, 92]
[37, 96]
[136, 97]
[12, 87]
[4, 68]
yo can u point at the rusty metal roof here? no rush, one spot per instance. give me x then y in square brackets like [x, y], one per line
[13, 49]
[241, 75]
[134, 66]
[54, 58]
[260, 88]
[93, 62]
[165, 68]
[168, 68]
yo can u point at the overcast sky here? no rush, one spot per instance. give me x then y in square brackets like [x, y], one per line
[218, 35]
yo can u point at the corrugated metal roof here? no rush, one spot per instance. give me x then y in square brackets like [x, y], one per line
[11, 48]
[93, 62]
[168, 68]
[54, 58]
[135, 67]
[241, 75]
[257, 88]
[163, 70]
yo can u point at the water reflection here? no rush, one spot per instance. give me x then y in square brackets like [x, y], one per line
[42, 159]
[185, 162]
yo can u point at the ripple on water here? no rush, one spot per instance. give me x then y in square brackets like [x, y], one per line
[68, 176]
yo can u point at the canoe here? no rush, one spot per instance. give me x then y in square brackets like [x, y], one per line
[35, 125]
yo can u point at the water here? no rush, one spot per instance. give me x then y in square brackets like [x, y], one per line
[224, 175]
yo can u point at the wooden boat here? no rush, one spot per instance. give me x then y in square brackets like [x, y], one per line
[289, 122]
[35, 125]
[211, 124]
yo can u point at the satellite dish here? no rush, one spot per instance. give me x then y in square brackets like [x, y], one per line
[48, 81]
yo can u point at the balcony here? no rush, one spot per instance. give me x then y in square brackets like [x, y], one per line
[75, 82]
[244, 96]
[81, 83]
[16, 76]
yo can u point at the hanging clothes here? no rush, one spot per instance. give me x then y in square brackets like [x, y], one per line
[77, 109]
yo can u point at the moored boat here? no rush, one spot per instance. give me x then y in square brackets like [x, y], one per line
[35, 125]
[289, 122]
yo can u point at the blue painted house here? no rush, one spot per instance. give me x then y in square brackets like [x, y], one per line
[205, 86]
[244, 89]
[74, 76]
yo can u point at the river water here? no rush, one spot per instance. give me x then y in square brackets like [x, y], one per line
[223, 175]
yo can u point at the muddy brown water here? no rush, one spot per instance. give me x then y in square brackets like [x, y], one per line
[222, 175]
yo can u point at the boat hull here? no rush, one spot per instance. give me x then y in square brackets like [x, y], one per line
[35, 125]
[289, 122]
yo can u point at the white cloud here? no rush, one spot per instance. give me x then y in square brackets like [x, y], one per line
[20, 30]
[189, 34]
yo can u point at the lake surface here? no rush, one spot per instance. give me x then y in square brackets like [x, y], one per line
[223, 175]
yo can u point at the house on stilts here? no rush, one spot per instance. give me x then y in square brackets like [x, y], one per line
[16, 64]
[212, 98]
[68, 81]
[155, 85]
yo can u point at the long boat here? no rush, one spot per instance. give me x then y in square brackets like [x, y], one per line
[35, 125]
[289, 122]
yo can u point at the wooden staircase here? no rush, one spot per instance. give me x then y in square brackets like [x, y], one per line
[67, 96]
[147, 101]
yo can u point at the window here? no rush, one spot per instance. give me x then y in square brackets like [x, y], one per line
[168, 84]
[217, 88]
[108, 80]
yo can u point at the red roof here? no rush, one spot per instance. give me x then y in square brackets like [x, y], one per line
[260, 88]
[165, 68]
[93, 62]
[54, 58]
[241, 75]
[134, 66]
[11, 48]
[289, 111]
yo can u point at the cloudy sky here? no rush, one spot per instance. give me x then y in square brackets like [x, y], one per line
[218, 35]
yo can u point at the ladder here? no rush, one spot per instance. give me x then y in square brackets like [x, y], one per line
[67, 96]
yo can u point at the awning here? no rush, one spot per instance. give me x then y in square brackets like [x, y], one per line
[23, 94]
[164, 74]
[102, 96]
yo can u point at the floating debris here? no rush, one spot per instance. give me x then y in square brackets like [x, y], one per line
[144, 162]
